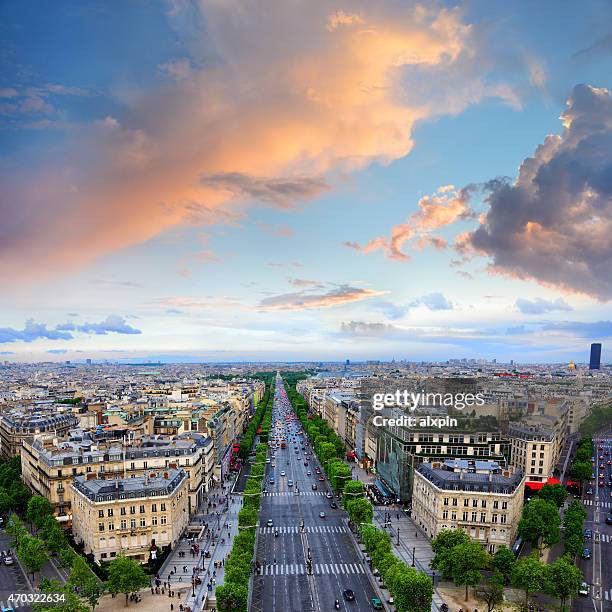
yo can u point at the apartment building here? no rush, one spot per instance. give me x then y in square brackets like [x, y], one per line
[481, 497]
[49, 465]
[132, 517]
[21, 423]
[537, 442]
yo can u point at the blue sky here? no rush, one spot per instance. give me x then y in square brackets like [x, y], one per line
[202, 179]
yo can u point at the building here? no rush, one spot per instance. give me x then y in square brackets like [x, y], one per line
[129, 516]
[18, 424]
[400, 450]
[480, 497]
[537, 442]
[49, 465]
[595, 359]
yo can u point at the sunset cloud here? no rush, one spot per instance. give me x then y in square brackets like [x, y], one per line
[554, 222]
[291, 96]
[446, 206]
[303, 300]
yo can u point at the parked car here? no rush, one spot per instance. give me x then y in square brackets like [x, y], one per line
[586, 553]
[584, 589]
[376, 603]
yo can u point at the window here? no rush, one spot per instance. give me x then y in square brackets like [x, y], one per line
[466, 502]
[143, 522]
[163, 520]
[495, 504]
[132, 509]
[446, 501]
[454, 501]
[483, 517]
[123, 511]
[132, 523]
[100, 526]
[100, 513]
[111, 526]
[154, 508]
[504, 505]
[154, 520]
[142, 509]
[123, 524]
[445, 514]
[503, 518]
[474, 516]
[454, 516]
[109, 512]
[494, 518]
[474, 503]
[163, 507]
[465, 516]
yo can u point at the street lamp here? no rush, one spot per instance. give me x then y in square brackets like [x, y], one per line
[413, 550]
[398, 536]
[193, 587]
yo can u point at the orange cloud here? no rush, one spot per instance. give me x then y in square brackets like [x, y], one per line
[288, 100]
[442, 208]
[302, 300]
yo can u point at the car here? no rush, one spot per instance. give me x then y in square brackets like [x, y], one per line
[268, 460]
[348, 595]
[321, 514]
[376, 603]
[584, 589]
[270, 523]
[609, 519]
[305, 463]
[8, 560]
[8, 609]
[290, 483]
[283, 473]
[271, 481]
[321, 478]
[586, 553]
[588, 534]
[314, 486]
[328, 495]
[273, 465]
[308, 473]
[589, 491]
[333, 505]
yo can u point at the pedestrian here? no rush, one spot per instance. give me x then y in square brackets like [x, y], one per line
[171, 607]
[180, 579]
[152, 591]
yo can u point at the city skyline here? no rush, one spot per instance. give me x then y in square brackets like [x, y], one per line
[200, 180]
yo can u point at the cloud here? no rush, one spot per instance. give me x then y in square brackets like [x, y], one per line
[285, 264]
[341, 18]
[57, 351]
[280, 104]
[174, 311]
[304, 282]
[281, 191]
[112, 324]
[8, 92]
[283, 231]
[114, 283]
[432, 301]
[553, 223]
[303, 300]
[540, 306]
[362, 328]
[517, 330]
[595, 330]
[7, 352]
[447, 205]
[32, 331]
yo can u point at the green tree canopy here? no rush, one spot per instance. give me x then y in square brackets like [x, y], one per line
[529, 575]
[232, 597]
[540, 522]
[39, 508]
[87, 583]
[555, 493]
[503, 563]
[126, 576]
[563, 579]
[32, 552]
[360, 511]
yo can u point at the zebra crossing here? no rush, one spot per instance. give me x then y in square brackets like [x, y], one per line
[284, 493]
[596, 502]
[10, 606]
[607, 595]
[296, 569]
[604, 537]
[295, 529]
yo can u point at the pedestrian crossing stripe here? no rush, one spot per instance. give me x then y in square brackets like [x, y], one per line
[596, 502]
[285, 493]
[606, 594]
[293, 529]
[296, 569]
[604, 537]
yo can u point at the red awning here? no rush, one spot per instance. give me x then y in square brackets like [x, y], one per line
[536, 486]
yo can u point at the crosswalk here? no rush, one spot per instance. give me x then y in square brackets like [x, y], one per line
[296, 569]
[296, 529]
[284, 493]
[604, 537]
[10, 606]
[596, 502]
[607, 595]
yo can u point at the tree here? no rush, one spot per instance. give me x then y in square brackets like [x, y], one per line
[126, 576]
[412, 590]
[529, 575]
[555, 493]
[563, 579]
[581, 471]
[69, 601]
[16, 529]
[503, 563]
[32, 552]
[353, 489]
[449, 538]
[467, 560]
[39, 508]
[84, 580]
[493, 593]
[232, 597]
[360, 511]
[6, 503]
[540, 522]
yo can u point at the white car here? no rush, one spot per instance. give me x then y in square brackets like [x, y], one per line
[283, 473]
[8, 560]
[584, 589]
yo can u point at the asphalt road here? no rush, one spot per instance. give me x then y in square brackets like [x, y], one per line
[285, 583]
[12, 579]
[598, 569]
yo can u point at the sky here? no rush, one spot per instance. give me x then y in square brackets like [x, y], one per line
[222, 180]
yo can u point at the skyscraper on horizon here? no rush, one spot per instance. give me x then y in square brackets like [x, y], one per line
[595, 360]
